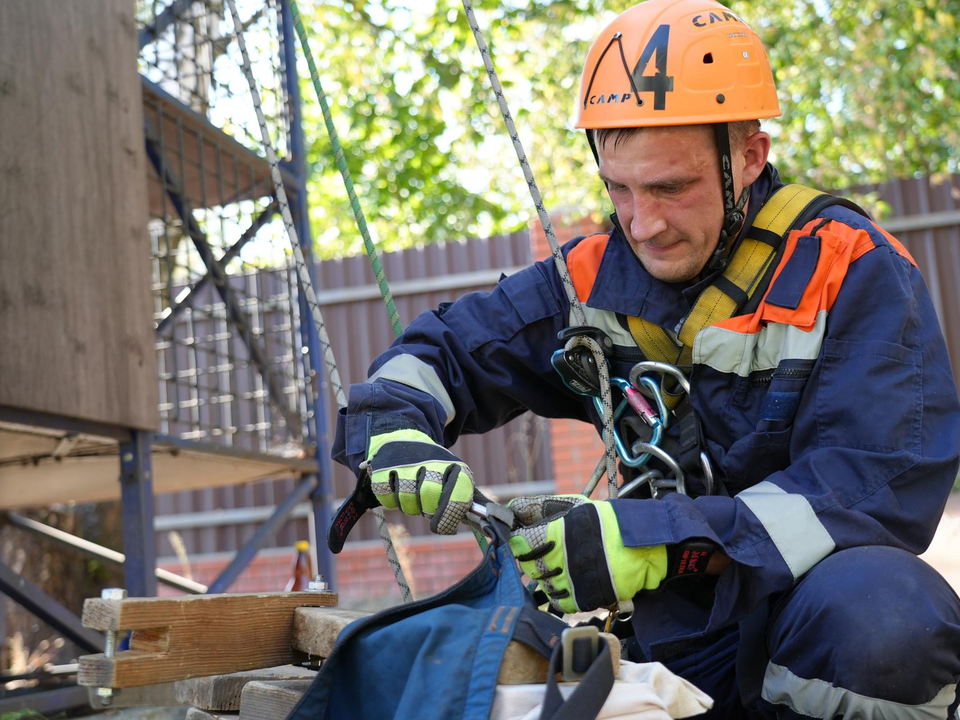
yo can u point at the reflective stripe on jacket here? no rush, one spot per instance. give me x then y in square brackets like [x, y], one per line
[863, 450]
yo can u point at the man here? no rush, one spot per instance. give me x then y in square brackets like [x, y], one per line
[825, 405]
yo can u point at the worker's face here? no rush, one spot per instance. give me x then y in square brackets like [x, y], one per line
[665, 186]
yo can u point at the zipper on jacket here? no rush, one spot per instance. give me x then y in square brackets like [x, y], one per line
[766, 378]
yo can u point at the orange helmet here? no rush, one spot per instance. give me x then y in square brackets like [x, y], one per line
[676, 62]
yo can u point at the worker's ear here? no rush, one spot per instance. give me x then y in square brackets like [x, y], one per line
[754, 156]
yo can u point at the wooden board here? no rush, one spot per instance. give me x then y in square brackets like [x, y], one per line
[222, 692]
[95, 478]
[76, 315]
[315, 631]
[181, 638]
[198, 714]
[271, 700]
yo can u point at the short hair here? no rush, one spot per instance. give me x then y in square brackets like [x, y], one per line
[739, 132]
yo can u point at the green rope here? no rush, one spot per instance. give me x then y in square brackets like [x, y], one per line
[345, 173]
[351, 193]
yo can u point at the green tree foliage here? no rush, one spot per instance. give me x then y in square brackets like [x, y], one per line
[869, 90]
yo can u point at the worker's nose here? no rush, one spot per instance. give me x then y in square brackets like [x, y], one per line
[647, 221]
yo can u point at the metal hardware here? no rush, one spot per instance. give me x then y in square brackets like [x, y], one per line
[572, 636]
[110, 647]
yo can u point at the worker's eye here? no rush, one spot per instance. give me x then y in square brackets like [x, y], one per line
[672, 189]
[616, 187]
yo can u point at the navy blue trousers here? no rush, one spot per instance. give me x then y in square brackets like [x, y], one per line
[868, 633]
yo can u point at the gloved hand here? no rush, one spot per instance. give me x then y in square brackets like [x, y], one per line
[410, 471]
[577, 555]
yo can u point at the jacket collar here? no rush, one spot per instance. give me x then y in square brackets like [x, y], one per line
[624, 286]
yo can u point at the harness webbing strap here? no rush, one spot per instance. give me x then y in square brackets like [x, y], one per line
[751, 261]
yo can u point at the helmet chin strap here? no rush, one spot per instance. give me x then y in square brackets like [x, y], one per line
[733, 215]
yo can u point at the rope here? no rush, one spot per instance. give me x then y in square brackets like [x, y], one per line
[606, 397]
[561, 264]
[345, 173]
[305, 282]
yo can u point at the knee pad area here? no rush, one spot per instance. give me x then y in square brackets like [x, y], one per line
[875, 621]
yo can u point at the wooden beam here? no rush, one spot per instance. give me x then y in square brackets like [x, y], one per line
[198, 714]
[222, 692]
[181, 638]
[271, 700]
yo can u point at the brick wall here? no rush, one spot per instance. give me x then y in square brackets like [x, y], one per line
[365, 578]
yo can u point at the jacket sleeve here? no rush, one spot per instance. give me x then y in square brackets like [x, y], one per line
[468, 367]
[873, 447]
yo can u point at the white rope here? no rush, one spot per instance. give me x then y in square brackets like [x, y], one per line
[575, 306]
[306, 284]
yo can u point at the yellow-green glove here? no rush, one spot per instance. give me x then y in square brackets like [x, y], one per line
[577, 555]
[409, 471]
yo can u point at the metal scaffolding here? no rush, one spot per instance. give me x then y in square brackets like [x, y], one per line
[238, 372]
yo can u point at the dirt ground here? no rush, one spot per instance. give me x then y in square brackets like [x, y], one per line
[944, 551]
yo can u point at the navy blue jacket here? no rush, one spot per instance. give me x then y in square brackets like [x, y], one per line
[863, 451]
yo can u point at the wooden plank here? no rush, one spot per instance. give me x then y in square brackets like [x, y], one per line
[271, 700]
[315, 631]
[198, 714]
[181, 638]
[162, 695]
[222, 692]
[76, 313]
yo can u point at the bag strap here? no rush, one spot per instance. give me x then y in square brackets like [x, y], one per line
[591, 691]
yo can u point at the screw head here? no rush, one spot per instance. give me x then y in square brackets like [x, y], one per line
[105, 695]
[113, 594]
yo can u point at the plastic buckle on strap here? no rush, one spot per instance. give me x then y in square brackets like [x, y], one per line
[580, 647]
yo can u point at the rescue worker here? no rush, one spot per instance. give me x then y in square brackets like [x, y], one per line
[826, 405]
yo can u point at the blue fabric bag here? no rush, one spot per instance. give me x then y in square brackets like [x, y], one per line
[440, 657]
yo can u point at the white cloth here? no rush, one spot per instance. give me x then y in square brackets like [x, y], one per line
[642, 691]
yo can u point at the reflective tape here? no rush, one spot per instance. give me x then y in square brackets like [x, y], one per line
[792, 525]
[743, 353]
[606, 320]
[414, 372]
[819, 699]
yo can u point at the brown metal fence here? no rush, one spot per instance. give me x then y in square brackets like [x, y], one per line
[926, 218]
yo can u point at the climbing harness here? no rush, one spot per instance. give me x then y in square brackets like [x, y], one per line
[746, 274]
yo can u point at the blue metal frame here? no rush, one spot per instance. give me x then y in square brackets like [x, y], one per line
[322, 498]
[266, 531]
[178, 198]
[136, 504]
[32, 598]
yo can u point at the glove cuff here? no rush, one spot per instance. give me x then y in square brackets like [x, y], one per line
[689, 559]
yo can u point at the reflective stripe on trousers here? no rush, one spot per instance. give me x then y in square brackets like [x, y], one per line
[870, 633]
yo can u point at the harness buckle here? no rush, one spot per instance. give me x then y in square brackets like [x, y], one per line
[580, 646]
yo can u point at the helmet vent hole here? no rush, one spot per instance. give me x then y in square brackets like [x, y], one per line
[708, 59]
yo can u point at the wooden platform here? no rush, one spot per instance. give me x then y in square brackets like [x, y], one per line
[39, 467]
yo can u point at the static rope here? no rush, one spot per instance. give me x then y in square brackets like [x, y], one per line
[525, 166]
[575, 306]
[307, 285]
[345, 174]
[606, 397]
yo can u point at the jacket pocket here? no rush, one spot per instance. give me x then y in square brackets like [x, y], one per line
[876, 381]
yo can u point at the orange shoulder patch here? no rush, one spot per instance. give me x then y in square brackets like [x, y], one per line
[583, 262]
